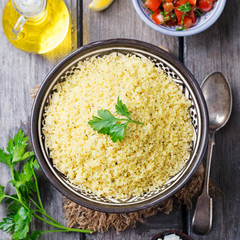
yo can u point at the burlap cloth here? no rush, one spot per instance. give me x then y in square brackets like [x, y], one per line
[84, 218]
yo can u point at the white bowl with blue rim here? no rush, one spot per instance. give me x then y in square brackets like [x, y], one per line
[203, 22]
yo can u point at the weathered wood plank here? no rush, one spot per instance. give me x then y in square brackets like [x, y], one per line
[20, 72]
[218, 49]
[121, 21]
[146, 230]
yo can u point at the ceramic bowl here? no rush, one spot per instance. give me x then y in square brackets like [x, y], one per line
[172, 67]
[203, 22]
[183, 236]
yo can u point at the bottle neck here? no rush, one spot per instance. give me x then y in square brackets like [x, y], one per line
[32, 10]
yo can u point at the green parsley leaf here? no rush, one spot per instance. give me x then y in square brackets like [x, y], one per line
[17, 148]
[8, 223]
[13, 208]
[166, 16]
[2, 194]
[35, 164]
[103, 123]
[23, 181]
[35, 235]
[121, 109]
[5, 158]
[107, 124]
[117, 132]
[22, 220]
[185, 7]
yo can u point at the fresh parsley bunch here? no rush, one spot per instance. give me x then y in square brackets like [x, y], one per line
[22, 206]
[107, 124]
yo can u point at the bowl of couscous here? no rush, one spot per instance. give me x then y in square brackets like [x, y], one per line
[119, 125]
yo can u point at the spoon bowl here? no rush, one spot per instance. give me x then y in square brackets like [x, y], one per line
[218, 96]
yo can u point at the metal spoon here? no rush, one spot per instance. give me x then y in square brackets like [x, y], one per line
[218, 96]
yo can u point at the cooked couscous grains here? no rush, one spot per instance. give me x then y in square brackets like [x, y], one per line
[148, 156]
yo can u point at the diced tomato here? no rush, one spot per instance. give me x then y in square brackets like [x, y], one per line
[157, 17]
[193, 2]
[205, 5]
[187, 22]
[167, 11]
[180, 2]
[168, 7]
[153, 5]
[179, 15]
[192, 15]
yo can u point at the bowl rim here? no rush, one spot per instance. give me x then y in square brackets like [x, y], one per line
[101, 44]
[184, 236]
[188, 32]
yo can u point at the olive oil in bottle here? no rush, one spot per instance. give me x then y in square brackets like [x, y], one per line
[36, 26]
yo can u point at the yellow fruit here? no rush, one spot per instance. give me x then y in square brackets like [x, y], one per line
[99, 5]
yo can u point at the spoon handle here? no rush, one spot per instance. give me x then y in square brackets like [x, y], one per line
[202, 218]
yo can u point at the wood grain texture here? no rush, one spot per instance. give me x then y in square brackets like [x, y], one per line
[218, 49]
[120, 20]
[146, 230]
[20, 72]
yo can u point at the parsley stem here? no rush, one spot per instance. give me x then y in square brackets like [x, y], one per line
[136, 122]
[40, 201]
[51, 231]
[69, 230]
[17, 190]
[129, 120]
[18, 200]
[61, 226]
[15, 199]
[58, 225]
[38, 193]
[34, 202]
[47, 216]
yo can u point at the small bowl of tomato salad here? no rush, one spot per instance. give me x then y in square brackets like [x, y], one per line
[179, 17]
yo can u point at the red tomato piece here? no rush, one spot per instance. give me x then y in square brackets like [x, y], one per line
[205, 5]
[179, 15]
[181, 2]
[187, 22]
[168, 7]
[193, 2]
[157, 17]
[153, 5]
[192, 15]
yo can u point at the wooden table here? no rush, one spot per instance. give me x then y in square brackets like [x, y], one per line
[216, 49]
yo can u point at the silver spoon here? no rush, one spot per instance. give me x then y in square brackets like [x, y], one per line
[218, 96]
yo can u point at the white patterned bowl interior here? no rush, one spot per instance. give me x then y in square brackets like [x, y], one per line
[203, 22]
[182, 78]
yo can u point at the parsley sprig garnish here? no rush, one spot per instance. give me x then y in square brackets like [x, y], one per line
[22, 205]
[107, 124]
[185, 7]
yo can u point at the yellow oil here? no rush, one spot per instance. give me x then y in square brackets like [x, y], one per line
[42, 35]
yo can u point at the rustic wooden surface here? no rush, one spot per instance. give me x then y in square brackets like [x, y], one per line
[217, 49]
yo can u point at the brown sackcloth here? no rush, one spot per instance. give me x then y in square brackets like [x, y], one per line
[84, 218]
